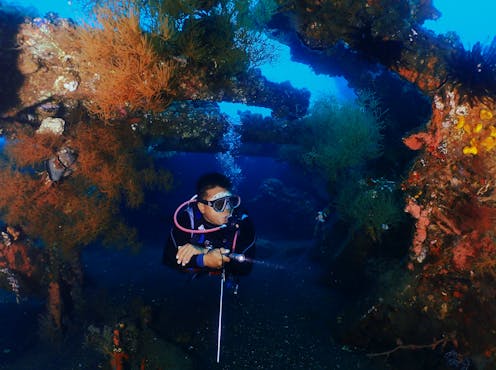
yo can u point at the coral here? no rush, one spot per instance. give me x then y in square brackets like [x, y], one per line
[477, 131]
[16, 257]
[426, 80]
[216, 42]
[429, 140]
[209, 44]
[475, 253]
[118, 360]
[261, 12]
[473, 72]
[451, 198]
[31, 149]
[373, 205]
[213, 36]
[419, 140]
[473, 216]
[485, 114]
[104, 155]
[117, 357]
[125, 71]
[13, 282]
[108, 172]
[461, 254]
[55, 303]
[336, 137]
[423, 221]
[47, 59]
[451, 190]
[447, 225]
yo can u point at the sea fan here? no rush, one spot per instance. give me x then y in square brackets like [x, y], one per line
[473, 72]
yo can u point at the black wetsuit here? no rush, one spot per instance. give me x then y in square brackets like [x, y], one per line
[191, 218]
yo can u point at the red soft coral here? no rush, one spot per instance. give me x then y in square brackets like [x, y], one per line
[422, 216]
[474, 216]
[461, 254]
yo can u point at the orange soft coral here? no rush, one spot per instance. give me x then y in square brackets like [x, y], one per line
[106, 159]
[55, 303]
[75, 211]
[424, 140]
[32, 148]
[15, 257]
[123, 70]
[425, 80]
[417, 141]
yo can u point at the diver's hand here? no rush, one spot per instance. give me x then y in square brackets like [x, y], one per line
[186, 251]
[216, 258]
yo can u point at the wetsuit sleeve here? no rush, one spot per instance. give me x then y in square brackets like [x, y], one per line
[245, 245]
[176, 239]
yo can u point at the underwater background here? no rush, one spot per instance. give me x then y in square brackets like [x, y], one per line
[312, 300]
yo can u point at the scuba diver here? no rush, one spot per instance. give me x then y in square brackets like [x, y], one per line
[211, 233]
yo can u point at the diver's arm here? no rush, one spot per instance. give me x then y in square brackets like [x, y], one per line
[187, 252]
[191, 255]
[181, 254]
[184, 257]
[179, 250]
[216, 258]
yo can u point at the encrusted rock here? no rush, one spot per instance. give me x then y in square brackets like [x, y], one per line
[51, 125]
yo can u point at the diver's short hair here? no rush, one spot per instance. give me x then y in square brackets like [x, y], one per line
[211, 180]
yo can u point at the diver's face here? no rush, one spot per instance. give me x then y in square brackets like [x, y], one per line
[212, 216]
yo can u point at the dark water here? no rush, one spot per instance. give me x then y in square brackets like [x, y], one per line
[280, 318]
[273, 215]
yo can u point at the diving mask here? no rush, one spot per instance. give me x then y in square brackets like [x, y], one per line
[226, 200]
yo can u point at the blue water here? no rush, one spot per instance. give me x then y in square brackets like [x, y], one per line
[473, 22]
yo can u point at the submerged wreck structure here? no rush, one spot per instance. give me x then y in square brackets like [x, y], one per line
[82, 104]
[449, 188]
